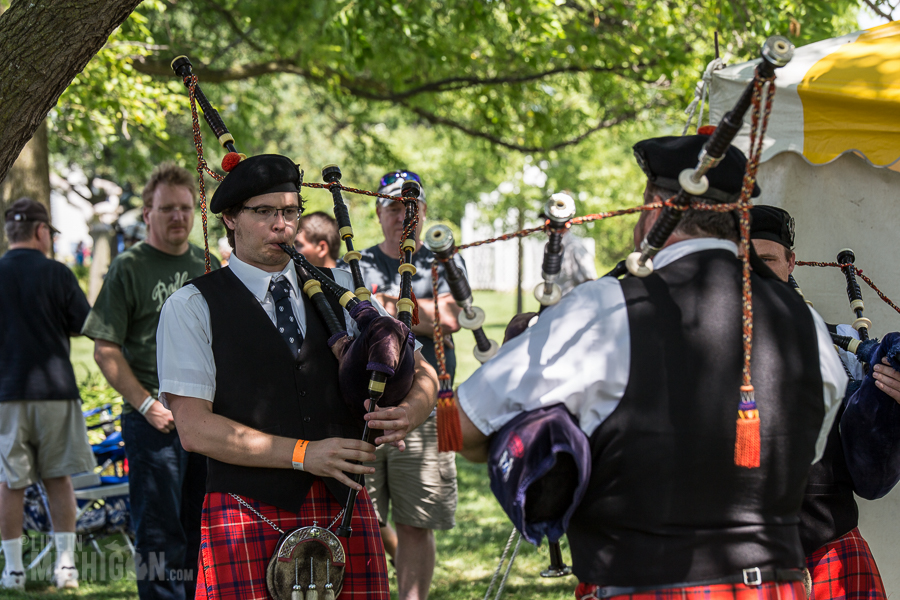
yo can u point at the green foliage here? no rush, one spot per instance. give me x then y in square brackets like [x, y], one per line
[113, 118]
[467, 93]
[530, 74]
[96, 392]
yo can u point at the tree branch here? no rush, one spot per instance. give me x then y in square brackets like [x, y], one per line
[369, 89]
[439, 120]
[235, 73]
[459, 83]
[875, 7]
[234, 25]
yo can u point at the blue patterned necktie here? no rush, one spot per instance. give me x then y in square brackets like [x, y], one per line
[285, 321]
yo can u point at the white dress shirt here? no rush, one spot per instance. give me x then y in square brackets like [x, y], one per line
[184, 338]
[578, 353]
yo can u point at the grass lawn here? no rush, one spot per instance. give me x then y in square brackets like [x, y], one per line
[82, 356]
[467, 555]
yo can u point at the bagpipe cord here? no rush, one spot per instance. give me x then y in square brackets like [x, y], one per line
[201, 168]
[859, 272]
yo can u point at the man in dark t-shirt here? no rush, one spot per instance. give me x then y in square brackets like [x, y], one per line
[42, 432]
[166, 483]
[419, 483]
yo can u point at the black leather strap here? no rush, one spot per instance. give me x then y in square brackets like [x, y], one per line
[751, 577]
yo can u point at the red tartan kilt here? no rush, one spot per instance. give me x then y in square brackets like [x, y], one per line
[845, 570]
[784, 590]
[235, 546]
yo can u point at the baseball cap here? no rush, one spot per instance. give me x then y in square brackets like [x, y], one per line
[28, 210]
[392, 182]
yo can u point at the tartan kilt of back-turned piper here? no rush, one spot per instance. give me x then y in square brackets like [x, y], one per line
[236, 546]
[773, 590]
[845, 570]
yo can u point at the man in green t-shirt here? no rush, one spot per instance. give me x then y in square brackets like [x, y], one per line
[166, 483]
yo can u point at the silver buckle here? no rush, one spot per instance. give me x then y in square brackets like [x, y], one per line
[752, 576]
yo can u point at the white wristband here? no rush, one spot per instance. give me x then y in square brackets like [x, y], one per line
[148, 402]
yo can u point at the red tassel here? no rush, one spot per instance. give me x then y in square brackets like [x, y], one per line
[746, 444]
[415, 310]
[230, 161]
[706, 130]
[448, 426]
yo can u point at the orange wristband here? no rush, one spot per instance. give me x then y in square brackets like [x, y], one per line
[299, 454]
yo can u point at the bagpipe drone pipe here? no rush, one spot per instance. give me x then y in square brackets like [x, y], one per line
[865, 347]
[776, 52]
[439, 239]
[384, 348]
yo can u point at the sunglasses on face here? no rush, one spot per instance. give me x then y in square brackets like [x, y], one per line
[394, 176]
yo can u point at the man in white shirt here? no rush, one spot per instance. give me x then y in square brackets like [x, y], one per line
[651, 368]
[245, 367]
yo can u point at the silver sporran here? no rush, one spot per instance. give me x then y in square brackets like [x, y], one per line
[295, 552]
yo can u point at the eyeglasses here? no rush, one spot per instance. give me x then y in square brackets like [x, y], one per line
[53, 232]
[168, 210]
[394, 176]
[264, 213]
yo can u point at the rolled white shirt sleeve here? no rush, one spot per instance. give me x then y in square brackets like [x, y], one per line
[578, 354]
[834, 381]
[184, 355]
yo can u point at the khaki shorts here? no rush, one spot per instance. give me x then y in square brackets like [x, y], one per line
[42, 439]
[418, 485]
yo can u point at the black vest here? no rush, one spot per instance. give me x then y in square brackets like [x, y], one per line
[665, 503]
[829, 508]
[261, 385]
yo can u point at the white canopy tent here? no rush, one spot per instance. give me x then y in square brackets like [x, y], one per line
[832, 159]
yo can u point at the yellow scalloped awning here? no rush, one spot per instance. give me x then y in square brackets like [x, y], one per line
[851, 100]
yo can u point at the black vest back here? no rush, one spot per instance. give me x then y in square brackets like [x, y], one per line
[665, 503]
[261, 385]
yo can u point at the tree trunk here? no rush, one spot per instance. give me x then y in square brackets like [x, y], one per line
[44, 44]
[29, 176]
[101, 256]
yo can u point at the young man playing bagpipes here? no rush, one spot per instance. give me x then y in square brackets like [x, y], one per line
[254, 387]
[838, 558]
[675, 503]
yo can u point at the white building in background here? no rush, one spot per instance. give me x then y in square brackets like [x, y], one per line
[495, 266]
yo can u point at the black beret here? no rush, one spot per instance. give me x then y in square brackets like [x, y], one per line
[255, 176]
[663, 158]
[771, 223]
